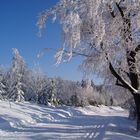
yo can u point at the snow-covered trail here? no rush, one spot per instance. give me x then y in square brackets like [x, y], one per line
[26, 121]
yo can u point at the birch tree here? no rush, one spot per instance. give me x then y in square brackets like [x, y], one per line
[106, 33]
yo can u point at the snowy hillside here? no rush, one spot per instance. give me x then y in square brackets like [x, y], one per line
[26, 121]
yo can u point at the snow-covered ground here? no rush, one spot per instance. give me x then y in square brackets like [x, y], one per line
[26, 121]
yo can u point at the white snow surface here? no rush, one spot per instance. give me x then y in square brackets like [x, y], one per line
[27, 121]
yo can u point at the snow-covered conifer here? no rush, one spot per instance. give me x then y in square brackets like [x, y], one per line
[52, 93]
[2, 88]
[16, 73]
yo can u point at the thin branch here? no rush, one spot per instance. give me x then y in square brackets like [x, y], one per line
[120, 9]
[74, 52]
[111, 11]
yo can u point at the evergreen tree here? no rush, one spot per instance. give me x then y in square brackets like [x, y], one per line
[43, 98]
[2, 85]
[16, 73]
[75, 101]
[38, 87]
[2, 89]
[52, 99]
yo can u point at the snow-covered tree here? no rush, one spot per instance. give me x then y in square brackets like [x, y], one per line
[62, 87]
[70, 92]
[75, 100]
[16, 92]
[16, 73]
[91, 94]
[43, 99]
[2, 90]
[52, 93]
[37, 87]
[2, 86]
[40, 83]
[107, 34]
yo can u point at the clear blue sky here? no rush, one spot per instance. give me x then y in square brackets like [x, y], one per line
[18, 30]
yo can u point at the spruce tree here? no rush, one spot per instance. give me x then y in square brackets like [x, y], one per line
[2, 90]
[16, 73]
[52, 99]
[2, 86]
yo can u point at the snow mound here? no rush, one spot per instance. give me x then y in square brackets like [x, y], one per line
[26, 121]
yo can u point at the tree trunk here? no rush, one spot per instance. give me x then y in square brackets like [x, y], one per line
[137, 103]
[134, 78]
[131, 61]
[125, 84]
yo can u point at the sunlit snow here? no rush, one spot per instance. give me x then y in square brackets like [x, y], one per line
[27, 121]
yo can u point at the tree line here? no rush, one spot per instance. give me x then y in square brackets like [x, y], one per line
[20, 84]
